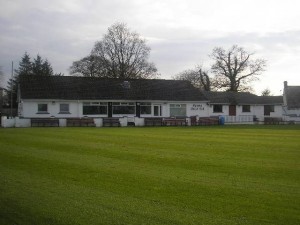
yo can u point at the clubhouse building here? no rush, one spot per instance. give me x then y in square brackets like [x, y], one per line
[88, 101]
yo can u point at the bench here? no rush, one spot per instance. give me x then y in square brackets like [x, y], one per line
[111, 122]
[153, 121]
[272, 120]
[207, 121]
[80, 122]
[44, 122]
[174, 122]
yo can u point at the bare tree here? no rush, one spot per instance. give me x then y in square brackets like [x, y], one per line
[120, 54]
[198, 77]
[234, 69]
[89, 66]
[266, 92]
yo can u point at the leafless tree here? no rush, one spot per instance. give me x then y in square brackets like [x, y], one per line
[198, 77]
[234, 69]
[89, 66]
[120, 54]
[266, 92]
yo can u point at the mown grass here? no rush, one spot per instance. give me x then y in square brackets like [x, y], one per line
[165, 175]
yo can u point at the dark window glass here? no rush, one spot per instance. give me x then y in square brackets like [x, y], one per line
[42, 108]
[246, 108]
[64, 108]
[218, 108]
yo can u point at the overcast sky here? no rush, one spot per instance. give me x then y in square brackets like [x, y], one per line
[181, 34]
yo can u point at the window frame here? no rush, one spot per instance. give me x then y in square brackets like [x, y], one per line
[128, 107]
[64, 111]
[145, 107]
[40, 106]
[96, 105]
[177, 108]
[216, 110]
[246, 108]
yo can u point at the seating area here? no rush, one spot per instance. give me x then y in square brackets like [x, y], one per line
[111, 122]
[273, 120]
[204, 121]
[80, 122]
[44, 122]
[175, 122]
[153, 121]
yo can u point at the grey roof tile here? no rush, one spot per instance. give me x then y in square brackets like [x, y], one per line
[89, 88]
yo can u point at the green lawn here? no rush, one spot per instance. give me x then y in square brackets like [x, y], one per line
[164, 175]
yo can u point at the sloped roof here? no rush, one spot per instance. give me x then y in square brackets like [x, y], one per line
[293, 96]
[90, 88]
[241, 98]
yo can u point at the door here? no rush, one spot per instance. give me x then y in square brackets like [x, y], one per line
[232, 110]
[157, 110]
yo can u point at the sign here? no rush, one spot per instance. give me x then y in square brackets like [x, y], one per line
[197, 107]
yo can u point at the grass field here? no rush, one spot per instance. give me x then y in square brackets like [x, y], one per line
[165, 175]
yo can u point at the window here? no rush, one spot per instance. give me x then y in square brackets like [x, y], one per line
[123, 108]
[145, 108]
[64, 108]
[42, 108]
[218, 108]
[177, 109]
[246, 108]
[157, 110]
[94, 108]
[268, 109]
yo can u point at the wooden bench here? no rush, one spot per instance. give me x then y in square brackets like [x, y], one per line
[111, 122]
[153, 121]
[174, 122]
[80, 122]
[44, 122]
[207, 121]
[273, 120]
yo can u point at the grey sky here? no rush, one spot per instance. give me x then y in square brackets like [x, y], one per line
[181, 34]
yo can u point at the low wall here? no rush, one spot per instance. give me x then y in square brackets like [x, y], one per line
[14, 122]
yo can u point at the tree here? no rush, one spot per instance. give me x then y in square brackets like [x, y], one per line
[234, 69]
[89, 66]
[120, 54]
[266, 92]
[198, 77]
[25, 66]
[37, 67]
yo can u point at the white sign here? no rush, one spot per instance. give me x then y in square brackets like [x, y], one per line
[197, 107]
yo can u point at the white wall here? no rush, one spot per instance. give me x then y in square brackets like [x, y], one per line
[200, 109]
[30, 109]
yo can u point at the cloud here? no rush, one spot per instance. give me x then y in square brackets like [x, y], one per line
[181, 34]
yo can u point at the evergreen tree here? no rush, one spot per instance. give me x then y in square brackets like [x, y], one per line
[37, 67]
[25, 66]
[46, 69]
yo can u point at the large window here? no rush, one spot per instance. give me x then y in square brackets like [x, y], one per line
[43, 108]
[246, 108]
[95, 108]
[145, 108]
[177, 109]
[123, 108]
[268, 109]
[64, 108]
[218, 108]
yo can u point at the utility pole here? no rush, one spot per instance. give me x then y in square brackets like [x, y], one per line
[11, 91]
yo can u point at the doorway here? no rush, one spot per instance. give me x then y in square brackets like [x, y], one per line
[232, 110]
